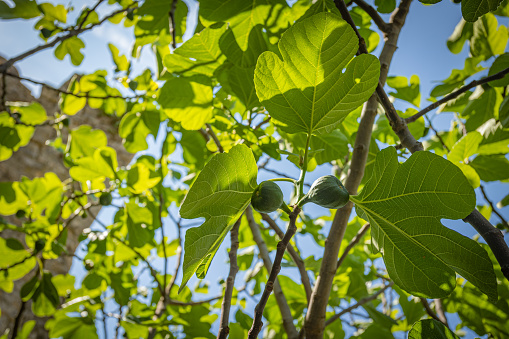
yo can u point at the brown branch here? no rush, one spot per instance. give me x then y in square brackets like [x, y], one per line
[214, 137]
[432, 313]
[276, 267]
[17, 321]
[358, 304]
[439, 308]
[493, 237]
[455, 94]
[377, 19]
[88, 14]
[493, 208]
[164, 300]
[315, 317]
[224, 330]
[352, 243]
[436, 133]
[78, 95]
[172, 23]
[262, 123]
[286, 313]
[72, 32]
[304, 278]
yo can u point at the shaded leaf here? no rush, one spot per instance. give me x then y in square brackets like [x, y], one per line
[220, 194]
[421, 255]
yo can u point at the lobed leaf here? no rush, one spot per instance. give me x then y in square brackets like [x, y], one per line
[404, 204]
[307, 91]
[220, 194]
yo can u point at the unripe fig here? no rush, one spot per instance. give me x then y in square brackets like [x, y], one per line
[327, 192]
[267, 197]
[105, 199]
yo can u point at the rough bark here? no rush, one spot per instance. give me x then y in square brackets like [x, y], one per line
[315, 318]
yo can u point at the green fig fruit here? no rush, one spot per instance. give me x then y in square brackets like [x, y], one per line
[105, 199]
[267, 197]
[327, 192]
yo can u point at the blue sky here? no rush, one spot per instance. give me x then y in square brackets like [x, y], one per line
[422, 51]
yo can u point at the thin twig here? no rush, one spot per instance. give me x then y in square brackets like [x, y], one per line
[286, 313]
[18, 320]
[173, 31]
[377, 19]
[439, 308]
[358, 304]
[352, 243]
[214, 137]
[276, 267]
[224, 330]
[493, 208]
[78, 95]
[163, 242]
[12, 61]
[88, 14]
[455, 94]
[262, 123]
[436, 133]
[432, 313]
[304, 278]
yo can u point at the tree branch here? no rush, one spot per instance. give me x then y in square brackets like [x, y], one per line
[377, 19]
[85, 95]
[214, 137]
[439, 308]
[172, 23]
[88, 13]
[493, 237]
[304, 278]
[431, 313]
[286, 314]
[276, 267]
[315, 317]
[224, 330]
[493, 208]
[436, 133]
[358, 304]
[457, 93]
[70, 34]
[352, 243]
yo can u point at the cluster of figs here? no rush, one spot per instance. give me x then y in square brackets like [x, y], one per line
[326, 191]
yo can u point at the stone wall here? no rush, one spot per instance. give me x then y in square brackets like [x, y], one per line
[34, 160]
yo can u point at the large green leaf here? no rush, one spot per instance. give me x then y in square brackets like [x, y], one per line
[488, 39]
[188, 101]
[430, 328]
[220, 194]
[491, 167]
[307, 91]
[243, 16]
[473, 9]
[154, 23]
[199, 55]
[404, 204]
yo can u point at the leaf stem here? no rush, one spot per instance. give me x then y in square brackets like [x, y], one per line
[304, 169]
[284, 179]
